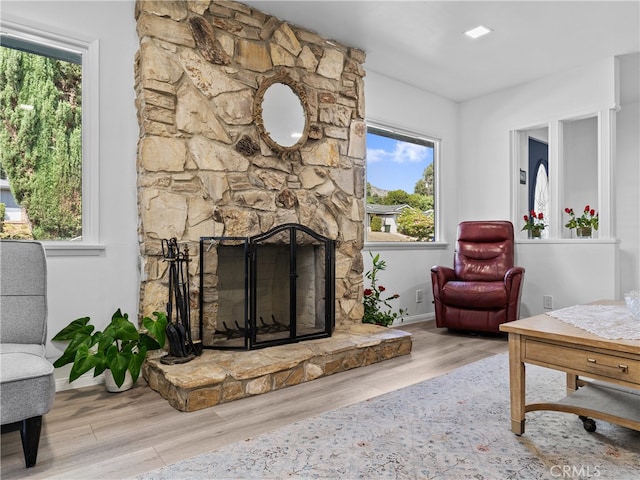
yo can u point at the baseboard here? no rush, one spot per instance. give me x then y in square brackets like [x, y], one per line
[414, 319]
[86, 380]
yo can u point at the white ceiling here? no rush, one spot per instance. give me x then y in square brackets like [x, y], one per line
[422, 42]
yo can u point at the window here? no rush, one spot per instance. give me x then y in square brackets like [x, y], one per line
[400, 187]
[45, 147]
[539, 186]
[568, 167]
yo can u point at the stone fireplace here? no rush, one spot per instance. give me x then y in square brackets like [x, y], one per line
[205, 170]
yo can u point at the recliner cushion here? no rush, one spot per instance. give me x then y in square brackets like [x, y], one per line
[474, 295]
[484, 251]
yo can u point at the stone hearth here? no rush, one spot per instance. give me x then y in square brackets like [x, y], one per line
[222, 376]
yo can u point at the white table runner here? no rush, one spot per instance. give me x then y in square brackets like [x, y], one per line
[614, 322]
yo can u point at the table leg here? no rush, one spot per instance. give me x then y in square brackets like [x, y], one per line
[572, 383]
[516, 384]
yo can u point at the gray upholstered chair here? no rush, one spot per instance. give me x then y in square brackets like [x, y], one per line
[27, 386]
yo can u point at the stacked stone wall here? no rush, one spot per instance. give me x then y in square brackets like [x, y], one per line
[203, 169]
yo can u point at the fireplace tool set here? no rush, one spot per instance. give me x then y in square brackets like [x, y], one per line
[182, 348]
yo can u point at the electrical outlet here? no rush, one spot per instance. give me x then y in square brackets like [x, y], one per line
[547, 301]
[419, 296]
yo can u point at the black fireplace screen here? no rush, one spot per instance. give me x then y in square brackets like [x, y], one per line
[270, 289]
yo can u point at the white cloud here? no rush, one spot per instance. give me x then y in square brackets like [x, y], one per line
[403, 152]
[377, 155]
[409, 152]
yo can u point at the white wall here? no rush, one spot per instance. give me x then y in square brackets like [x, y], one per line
[97, 285]
[415, 110]
[580, 175]
[569, 272]
[627, 194]
[476, 184]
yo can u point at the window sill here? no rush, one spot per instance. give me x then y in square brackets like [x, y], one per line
[565, 241]
[73, 250]
[406, 246]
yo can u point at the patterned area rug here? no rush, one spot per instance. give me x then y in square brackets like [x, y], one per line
[451, 427]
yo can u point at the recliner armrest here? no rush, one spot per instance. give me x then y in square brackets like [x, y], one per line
[443, 274]
[513, 274]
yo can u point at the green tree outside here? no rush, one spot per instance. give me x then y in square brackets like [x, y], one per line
[41, 140]
[424, 186]
[414, 223]
[376, 224]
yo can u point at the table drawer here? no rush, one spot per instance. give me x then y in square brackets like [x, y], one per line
[564, 357]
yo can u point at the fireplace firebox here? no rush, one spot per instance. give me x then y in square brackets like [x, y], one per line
[270, 289]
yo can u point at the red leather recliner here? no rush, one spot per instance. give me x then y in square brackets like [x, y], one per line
[483, 289]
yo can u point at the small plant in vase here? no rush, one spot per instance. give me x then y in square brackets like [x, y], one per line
[534, 224]
[121, 348]
[585, 223]
[377, 309]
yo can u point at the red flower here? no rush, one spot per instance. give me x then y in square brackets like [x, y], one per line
[367, 292]
[589, 218]
[526, 218]
[396, 295]
[540, 216]
[381, 288]
[533, 213]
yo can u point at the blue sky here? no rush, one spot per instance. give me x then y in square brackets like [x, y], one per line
[394, 164]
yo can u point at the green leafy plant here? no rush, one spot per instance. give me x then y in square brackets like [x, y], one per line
[588, 219]
[377, 309]
[120, 347]
[534, 222]
[376, 224]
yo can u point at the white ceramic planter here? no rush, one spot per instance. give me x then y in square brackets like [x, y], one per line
[110, 383]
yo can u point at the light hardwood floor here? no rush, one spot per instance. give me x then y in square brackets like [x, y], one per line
[92, 434]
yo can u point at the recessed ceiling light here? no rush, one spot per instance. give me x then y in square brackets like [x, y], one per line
[478, 31]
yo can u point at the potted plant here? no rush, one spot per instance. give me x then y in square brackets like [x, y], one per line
[584, 224]
[534, 224]
[119, 350]
[375, 302]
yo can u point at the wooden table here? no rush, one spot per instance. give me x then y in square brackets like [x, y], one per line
[612, 367]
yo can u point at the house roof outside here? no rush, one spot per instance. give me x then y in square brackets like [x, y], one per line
[377, 209]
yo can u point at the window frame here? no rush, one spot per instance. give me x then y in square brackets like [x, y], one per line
[88, 50]
[420, 137]
[604, 151]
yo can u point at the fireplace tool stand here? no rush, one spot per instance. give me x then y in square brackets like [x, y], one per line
[182, 348]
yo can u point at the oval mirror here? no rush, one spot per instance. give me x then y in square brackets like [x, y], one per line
[281, 113]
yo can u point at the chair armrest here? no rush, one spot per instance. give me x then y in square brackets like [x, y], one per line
[514, 274]
[442, 274]
[513, 284]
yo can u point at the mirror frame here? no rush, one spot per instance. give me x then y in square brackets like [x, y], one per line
[284, 78]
